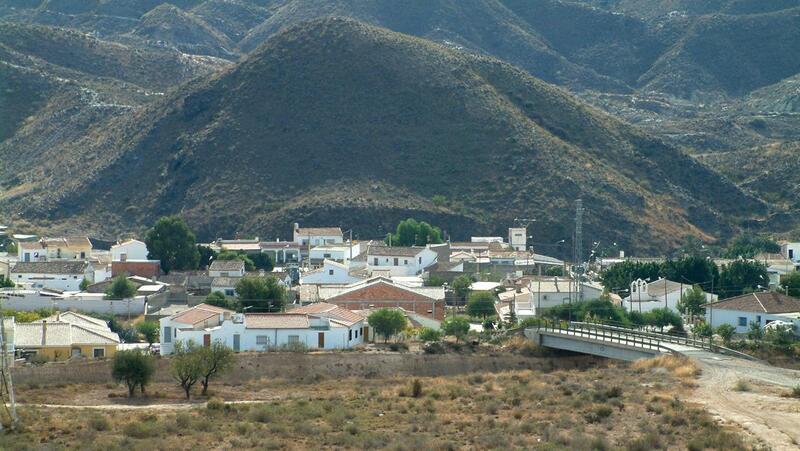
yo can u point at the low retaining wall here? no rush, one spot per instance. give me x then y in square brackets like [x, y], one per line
[134, 306]
[307, 367]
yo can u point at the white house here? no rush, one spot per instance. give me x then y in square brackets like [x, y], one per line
[791, 250]
[226, 268]
[400, 261]
[317, 236]
[753, 308]
[340, 253]
[54, 275]
[646, 296]
[331, 273]
[329, 327]
[518, 238]
[48, 249]
[129, 250]
[225, 285]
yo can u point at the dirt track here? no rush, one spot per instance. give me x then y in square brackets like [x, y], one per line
[761, 411]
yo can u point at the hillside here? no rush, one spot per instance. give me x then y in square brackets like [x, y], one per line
[338, 121]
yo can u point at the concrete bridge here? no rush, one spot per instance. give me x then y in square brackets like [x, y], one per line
[619, 342]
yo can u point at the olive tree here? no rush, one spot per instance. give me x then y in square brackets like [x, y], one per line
[134, 368]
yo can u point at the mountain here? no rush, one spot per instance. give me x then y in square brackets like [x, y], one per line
[337, 122]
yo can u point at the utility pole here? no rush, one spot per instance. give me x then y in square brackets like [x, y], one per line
[7, 388]
[578, 247]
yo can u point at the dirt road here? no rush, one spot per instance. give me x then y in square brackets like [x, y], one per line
[761, 410]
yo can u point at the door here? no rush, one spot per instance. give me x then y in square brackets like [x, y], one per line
[76, 352]
[321, 340]
[366, 334]
[207, 340]
[236, 342]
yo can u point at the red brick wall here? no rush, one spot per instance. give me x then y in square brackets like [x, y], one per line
[419, 307]
[141, 269]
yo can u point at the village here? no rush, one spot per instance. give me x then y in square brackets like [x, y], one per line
[66, 298]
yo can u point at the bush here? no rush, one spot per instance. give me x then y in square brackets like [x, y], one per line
[215, 404]
[416, 388]
[99, 423]
[427, 334]
[143, 429]
[726, 331]
[398, 347]
[387, 322]
[457, 326]
[742, 385]
[38, 359]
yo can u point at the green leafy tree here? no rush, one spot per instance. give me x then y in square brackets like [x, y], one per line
[149, 330]
[6, 283]
[726, 331]
[171, 241]
[781, 337]
[663, 317]
[121, 288]
[207, 255]
[741, 277]
[755, 332]
[413, 233]
[461, 286]
[214, 360]
[187, 366]
[427, 334]
[748, 246]
[262, 294]
[434, 281]
[691, 303]
[457, 326]
[263, 261]
[481, 304]
[84, 284]
[11, 248]
[703, 330]
[134, 368]
[228, 255]
[691, 269]
[554, 271]
[387, 322]
[791, 283]
[218, 299]
[620, 275]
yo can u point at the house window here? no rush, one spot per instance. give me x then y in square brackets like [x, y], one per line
[544, 298]
[83, 255]
[262, 340]
[420, 260]
[326, 255]
[167, 334]
[405, 262]
[742, 321]
[396, 261]
[293, 339]
[350, 335]
[229, 292]
[330, 272]
[758, 319]
[375, 261]
[98, 353]
[223, 274]
[791, 254]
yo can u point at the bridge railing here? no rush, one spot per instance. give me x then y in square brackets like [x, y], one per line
[666, 338]
[595, 331]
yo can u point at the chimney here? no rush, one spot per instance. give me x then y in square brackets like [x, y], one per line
[44, 332]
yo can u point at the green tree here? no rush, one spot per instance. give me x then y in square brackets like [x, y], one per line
[781, 337]
[427, 334]
[187, 367]
[6, 283]
[692, 269]
[228, 255]
[481, 304]
[11, 248]
[387, 322]
[171, 241]
[134, 368]
[554, 271]
[457, 326]
[207, 255]
[413, 233]
[791, 283]
[214, 360]
[755, 332]
[461, 286]
[84, 284]
[726, 331]
[218, 299]
[748, 246]
[120, 288]
[619, 276]
[741, 277]
[262, 294]
[703, 330]
[434, 281]
[663, 317]
[691, 303]
[149, 330]
[263, 261]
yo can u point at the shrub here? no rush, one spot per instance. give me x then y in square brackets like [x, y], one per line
[387, 322]
[398, 347]
[143, 429]
[134, 368]
[795, 393]
[416, 388]
[215, 404]
[99, 423]
[726, 331]
[427, 334]
[456, 326]
[741, 385]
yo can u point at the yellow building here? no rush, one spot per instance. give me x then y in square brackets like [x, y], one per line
[49, 249]
[65, 335]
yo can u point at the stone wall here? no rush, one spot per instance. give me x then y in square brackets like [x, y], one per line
[307, 367]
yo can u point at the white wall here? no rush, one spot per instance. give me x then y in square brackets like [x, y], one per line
[793, 249]
[724, 316]
[30, 303]
[406, 266]
[134, 250]
[61, 282]
[340, 276]
[317, 240]
[335, 337]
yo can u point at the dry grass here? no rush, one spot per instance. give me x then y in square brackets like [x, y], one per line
[618, 407]
[680, 367]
